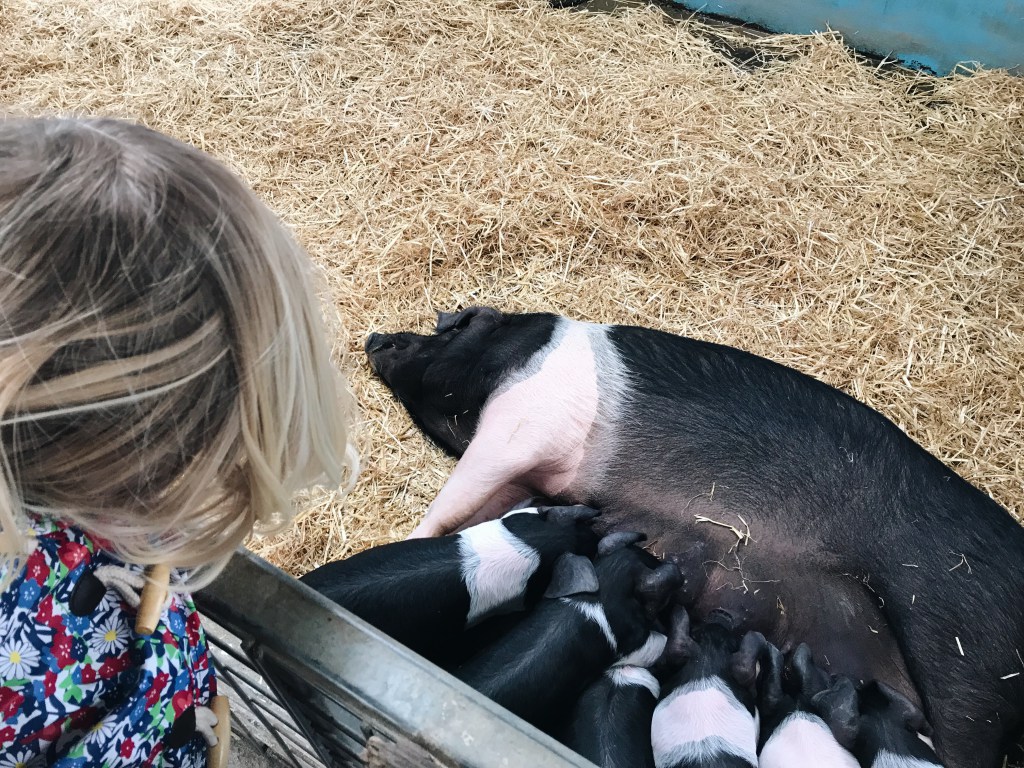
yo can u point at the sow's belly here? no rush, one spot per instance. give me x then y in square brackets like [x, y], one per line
[781, 576]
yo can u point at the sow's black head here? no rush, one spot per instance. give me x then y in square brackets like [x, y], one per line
[444, 380]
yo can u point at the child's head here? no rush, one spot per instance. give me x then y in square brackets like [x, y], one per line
[164, 378]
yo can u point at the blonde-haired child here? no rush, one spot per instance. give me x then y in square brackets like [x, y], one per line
[165, 388]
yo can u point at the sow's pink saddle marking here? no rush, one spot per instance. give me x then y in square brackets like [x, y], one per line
[688, 440]
[533, 434]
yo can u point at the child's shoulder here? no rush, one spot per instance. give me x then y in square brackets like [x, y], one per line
[76, 680]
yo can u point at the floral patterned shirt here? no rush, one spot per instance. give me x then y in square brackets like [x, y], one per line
[78, 687]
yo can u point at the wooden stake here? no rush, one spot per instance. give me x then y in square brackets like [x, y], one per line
[154, 593]
[217, 756]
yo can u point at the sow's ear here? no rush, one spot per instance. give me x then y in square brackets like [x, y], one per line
[446, 321]
[746, 663]
[839, 707]
[572, 575]
[904, 709]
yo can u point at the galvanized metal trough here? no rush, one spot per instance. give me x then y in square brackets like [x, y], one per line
[316, 685]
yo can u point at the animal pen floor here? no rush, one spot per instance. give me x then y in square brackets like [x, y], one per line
[863, 226]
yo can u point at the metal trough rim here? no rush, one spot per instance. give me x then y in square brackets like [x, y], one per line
[371, 674]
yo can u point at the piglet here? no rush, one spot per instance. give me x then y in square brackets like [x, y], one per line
[797, 729]
[891, 732]
[707, 718]
[426, 592]
[611, 723]
[593, 614]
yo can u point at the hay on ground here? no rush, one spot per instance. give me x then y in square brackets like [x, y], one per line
[863, 227]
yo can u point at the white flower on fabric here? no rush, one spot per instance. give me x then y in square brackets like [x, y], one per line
[109, 637]
[21, 759]
[106, 728]
[16, 659]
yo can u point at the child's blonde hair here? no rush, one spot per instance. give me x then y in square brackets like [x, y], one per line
[164, 378]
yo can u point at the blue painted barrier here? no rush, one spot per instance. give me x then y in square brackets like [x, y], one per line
[933, 34]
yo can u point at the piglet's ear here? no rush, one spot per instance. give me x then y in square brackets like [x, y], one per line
[569, 515]
[769, 680]
[746, 662]
[572, 575]
[903, 708]
[619, 540]
[839, 707]
[809, 677]
[655, 588]
[680, 647]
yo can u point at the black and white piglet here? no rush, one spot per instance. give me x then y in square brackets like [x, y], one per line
[593, 614]
[707, 719]
[890, 732]
[426, 592]
[798, 728]
[611, 723]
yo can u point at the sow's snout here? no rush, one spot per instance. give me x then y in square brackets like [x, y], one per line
[376, 342]
[460, 340]
[387, 351]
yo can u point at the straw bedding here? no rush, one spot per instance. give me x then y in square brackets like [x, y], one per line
[865, 227]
